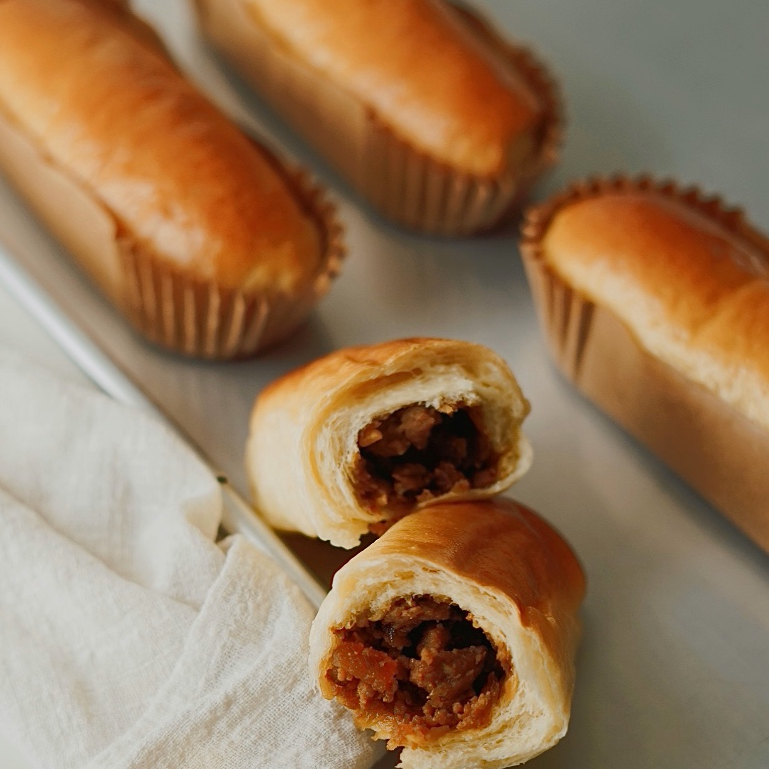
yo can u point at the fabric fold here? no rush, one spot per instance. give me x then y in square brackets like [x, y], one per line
[128, 637]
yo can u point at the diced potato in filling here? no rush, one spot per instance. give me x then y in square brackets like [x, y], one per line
[417, 453]
[422, 663]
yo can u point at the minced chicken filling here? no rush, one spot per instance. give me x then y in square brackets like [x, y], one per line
[419, 452]
[424, 664]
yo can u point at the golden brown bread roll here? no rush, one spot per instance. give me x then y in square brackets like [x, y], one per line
[655, 301]
[365, 435]
[433, 117]
[200, 236]
[473, 120]
[454, 635]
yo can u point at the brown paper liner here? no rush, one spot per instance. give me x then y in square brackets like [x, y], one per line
[183, 314]
[718, 451]
[401, 182]
[202, 319]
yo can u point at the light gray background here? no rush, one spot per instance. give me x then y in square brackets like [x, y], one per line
[673, 670]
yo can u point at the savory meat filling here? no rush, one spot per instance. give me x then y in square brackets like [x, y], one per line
[423, 664]
[419, 452]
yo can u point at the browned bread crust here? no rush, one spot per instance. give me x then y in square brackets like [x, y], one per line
[419, 68]
[431, 115]
[691, 287]
[304, 459]
[522, 585]
[91, 88]
[499, 545]
[654, 300]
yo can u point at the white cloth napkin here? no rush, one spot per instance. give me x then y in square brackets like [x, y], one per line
[128, 638]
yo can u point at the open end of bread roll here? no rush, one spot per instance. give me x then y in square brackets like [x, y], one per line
[370, 434]
[454, 636]
[422, 663]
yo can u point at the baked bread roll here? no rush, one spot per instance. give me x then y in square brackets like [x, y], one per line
[655, 302]
[200, 236]
[420, 104]
[357, 439]
[454, 635]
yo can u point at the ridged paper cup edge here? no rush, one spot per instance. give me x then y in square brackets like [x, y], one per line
[429, 196]
[202, 319]
[565, 314]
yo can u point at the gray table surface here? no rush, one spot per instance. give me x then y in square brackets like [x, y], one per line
[673, 670]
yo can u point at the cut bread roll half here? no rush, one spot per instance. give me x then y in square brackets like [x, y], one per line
[454, 635]
[366, 435]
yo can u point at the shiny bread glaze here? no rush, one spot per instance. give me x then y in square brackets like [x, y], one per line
[502, 546]
[686, 275]
[421, 69]
[106, 105]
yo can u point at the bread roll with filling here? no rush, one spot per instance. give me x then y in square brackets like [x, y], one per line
[199, 235]
[454, 635]
[357, 439]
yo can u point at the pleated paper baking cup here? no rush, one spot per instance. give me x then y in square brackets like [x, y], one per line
[720, 452]
[190, 316]
[199, 318]
[401, 182]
